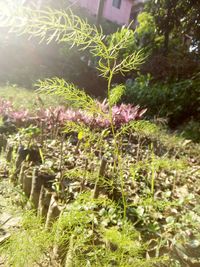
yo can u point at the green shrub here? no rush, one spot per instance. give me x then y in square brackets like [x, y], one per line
[177, 101]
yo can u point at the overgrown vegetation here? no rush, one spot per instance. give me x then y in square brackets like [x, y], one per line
[177, 102]
[120, 189]
[168, 84]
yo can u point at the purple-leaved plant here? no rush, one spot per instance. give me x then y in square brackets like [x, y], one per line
[57, 117]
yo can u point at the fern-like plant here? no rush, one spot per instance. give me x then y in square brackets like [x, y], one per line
[63, 26]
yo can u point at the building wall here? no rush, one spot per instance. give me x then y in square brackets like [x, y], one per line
[120, 16]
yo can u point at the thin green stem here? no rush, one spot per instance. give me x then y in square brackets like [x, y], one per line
[117, 159]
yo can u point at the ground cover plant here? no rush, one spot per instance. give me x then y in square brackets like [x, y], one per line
[124, 186]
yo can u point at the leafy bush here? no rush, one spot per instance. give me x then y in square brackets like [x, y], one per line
[176, 101]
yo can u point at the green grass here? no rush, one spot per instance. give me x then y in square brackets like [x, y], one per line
[27, 244]
[27, 98]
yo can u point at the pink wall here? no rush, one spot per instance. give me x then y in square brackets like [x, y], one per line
[120, 16]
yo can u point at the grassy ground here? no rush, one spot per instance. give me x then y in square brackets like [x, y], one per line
[23, 98]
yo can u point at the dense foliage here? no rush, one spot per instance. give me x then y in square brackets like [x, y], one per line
[168, 83]
[177, 20]
[175, 101]
[122, 188]
[156, 180]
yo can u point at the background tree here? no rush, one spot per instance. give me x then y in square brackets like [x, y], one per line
[176, 19]
[169, 32]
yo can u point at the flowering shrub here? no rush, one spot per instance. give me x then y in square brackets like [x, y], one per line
[51, 117]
